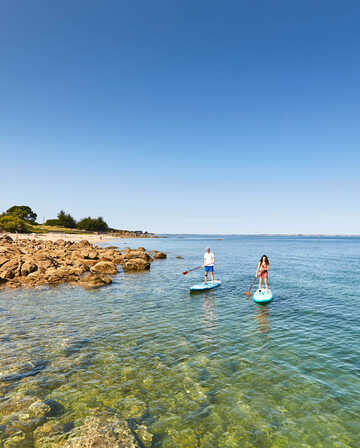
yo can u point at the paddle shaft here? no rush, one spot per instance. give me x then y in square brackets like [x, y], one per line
[190, 270]
[251, 287]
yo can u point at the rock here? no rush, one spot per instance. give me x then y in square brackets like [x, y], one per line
[144, 436]
[129, 254]
[49, 435]
[9, 269]
[136, 264]
[94, 281]
[180, 257]
[131, 407]
[158, 255]
[86, 262]
[39, 409]
[6, 239]
[32, 263]
[22, 370]
[16, 403]
[17, 440]
[28, 267]
[83, 243]
[89, 254]
[56, 276]
[102, 431]
[104, 267]
[3, 260]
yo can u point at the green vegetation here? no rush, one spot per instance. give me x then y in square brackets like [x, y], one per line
[13, 224]
[92, 224]
[52, 222]
[66, 220]
[20, 218]
[23, 212]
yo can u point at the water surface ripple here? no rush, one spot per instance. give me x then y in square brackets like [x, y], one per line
[206, 370]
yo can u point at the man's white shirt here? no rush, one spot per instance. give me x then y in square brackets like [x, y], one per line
[209, 259]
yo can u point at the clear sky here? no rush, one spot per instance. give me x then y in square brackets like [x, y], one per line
[183, 116]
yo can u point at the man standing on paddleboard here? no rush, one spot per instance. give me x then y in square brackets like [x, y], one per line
[209, 261]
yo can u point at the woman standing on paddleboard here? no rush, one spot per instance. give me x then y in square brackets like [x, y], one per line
[263, 272]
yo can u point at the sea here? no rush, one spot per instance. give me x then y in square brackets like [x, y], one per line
[206, 370]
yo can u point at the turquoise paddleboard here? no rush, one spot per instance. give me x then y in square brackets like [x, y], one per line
[205, 286]
[262, 296]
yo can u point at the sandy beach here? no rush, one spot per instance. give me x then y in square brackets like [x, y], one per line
[54, 236]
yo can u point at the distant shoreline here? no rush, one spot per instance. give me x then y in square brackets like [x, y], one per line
[267, 234]
[74, 237]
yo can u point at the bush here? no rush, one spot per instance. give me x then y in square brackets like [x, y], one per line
[66, 220]
[23, 212]
[9, 223]
[93, 224]
[52, 222]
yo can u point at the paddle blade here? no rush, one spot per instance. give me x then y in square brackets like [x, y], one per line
[185, 272]
[248, 293]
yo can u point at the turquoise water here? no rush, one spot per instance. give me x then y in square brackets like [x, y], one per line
[205, 370]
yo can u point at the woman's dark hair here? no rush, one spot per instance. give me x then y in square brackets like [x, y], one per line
[266, 259]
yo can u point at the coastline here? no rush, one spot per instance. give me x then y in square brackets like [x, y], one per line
[75, 237]
[52, 236]
[29, 262]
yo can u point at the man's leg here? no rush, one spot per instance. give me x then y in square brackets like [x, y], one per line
[206, 274]
[212, 275]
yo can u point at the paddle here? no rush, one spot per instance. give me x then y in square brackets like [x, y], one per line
[193, 269]
[251, 287]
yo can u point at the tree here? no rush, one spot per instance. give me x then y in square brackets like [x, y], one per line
[93, 224]
[52, 222]
[10, 223]
[23, 212]
[66, 220]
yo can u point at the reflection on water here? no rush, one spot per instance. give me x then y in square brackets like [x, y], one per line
[209, 311]
[262, 313]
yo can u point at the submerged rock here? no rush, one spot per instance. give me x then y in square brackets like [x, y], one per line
[144, 435]
[131, 407]
[18, 440]
[19, 371]
[102, 431]
[39, 409]
[50, 435]
[94, 281]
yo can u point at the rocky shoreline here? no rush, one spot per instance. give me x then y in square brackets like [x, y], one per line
[30, 263]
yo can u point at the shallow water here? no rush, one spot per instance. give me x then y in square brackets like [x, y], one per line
[205, 370]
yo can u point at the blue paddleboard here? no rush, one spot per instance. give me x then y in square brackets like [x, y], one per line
[205, 286]
[262, 296]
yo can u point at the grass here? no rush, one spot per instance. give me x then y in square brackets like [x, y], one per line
[42, 228]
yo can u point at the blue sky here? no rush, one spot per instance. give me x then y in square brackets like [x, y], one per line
[183, 116]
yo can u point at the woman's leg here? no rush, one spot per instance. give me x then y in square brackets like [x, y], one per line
[266, 283]
[260, 281]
